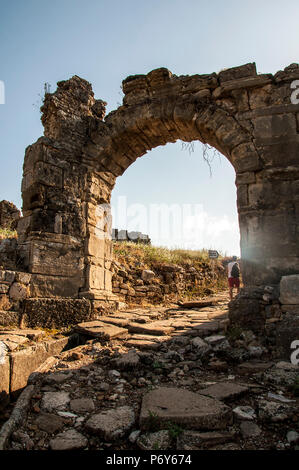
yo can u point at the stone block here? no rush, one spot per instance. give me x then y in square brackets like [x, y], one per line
[47, 174]
[245, 158]
[23, 363]
[4, 288]
[275, 126]
[56, 313]
[234, 73]
[95, 277]
[54, 258]
[95, 245]
[4, 378]
[23, 278]
[245, 178]
[289, 289]
[192, 410]
[55, 286]
[56, 346]
[10, 276]
[280, 154]
[18, 291]
[242, 195]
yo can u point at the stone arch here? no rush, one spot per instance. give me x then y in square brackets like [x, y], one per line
[70, 172]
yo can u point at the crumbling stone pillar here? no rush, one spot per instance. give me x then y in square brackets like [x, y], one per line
[61, 238]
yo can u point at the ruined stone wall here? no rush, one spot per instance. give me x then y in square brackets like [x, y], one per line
[9, 215]
[65, 232]
[165, 282]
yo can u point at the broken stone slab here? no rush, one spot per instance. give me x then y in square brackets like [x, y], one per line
[204, 329]
[53, 401]
[253, 367]
[29, 333]
[12, 342]
[225, 390]
[49, 422]
[142, 344]
[180, 406]
[130, 360]
[153, 328]
[199, 303]
[100, 330]
[82, 405]
[121, 322]
[111, 424]
[26, 361]
[57, 378]
[194, 440]
[180, 324]
[68, 440]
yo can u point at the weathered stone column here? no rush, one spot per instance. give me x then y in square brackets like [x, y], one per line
[62, 240]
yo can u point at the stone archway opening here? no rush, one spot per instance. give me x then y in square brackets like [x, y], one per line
[178, 200]
[70, 172]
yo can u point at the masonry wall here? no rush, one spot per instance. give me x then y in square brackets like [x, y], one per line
[64, 235]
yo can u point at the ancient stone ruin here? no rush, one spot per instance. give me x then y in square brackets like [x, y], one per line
[64, 236]
[9, 215]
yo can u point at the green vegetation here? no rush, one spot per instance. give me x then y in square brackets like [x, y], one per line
[174, 429]
[153, 423]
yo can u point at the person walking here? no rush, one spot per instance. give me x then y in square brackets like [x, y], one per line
[233, 274]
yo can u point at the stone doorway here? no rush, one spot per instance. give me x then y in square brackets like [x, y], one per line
[69, 173]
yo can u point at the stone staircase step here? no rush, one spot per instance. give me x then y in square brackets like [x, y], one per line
[153, 328]
[142, 344]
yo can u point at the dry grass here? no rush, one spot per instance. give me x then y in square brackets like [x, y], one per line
[150, 255]
[7, 233]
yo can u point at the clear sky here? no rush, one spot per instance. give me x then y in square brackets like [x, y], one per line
[104, 41]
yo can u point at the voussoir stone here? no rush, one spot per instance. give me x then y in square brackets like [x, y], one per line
[111, 424]
[181, 406]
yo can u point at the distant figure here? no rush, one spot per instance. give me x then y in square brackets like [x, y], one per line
[233, 273]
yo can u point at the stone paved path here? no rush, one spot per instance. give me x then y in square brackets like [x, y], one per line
[163, 378]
